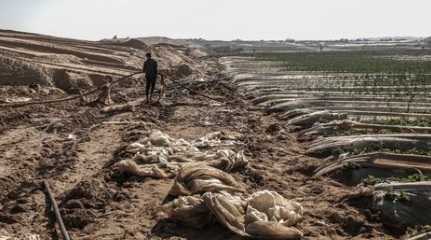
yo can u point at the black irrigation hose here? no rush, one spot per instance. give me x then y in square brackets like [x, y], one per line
[23, 104]
[56, 211]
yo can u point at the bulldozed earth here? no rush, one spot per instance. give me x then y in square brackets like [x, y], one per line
[122, 169]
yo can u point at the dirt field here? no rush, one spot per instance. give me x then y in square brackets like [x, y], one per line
[73, 145]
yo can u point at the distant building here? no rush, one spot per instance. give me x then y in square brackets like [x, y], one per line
[428, 41]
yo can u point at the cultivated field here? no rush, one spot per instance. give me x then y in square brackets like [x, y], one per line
[365, 114]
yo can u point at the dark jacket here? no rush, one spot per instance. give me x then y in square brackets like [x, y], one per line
[150, 69]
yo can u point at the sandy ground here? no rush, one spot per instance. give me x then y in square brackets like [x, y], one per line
[71, 155]
[71, 144]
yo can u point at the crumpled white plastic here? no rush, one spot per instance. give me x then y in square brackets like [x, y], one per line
[201, 178]
[159, 155]
[265, 214]
[215, 139]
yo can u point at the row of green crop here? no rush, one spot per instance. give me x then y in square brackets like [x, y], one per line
[349, 62]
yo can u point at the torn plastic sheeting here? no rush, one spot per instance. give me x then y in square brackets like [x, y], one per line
[228, 160]
[200, 178]
[153, 155]
[189, 210]
[157, 150]
[130, 167]
[276, 216]
[378, 164]
[421, 236]
[264, 214]
[276, 207]
[157, 138]
[403, 204]
[424, 186]
[215, 139]
[17, 100]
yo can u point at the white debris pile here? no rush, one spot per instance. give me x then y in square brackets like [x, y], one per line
[159, 147]
[189, 210]
[216, 139]
[201, 178]
[204, 190]
[16, 100]
[152, 156]
[158, 155]
[228, 160]
[263, 215]
[129, 166]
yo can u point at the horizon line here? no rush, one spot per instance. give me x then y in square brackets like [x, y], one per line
[225, 40]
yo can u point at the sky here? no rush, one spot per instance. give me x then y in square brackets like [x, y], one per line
[219, 19]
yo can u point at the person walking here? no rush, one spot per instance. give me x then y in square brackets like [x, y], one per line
[150, 70]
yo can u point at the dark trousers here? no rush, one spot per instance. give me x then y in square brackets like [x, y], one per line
[150, 85]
